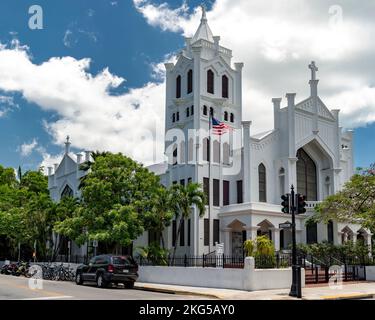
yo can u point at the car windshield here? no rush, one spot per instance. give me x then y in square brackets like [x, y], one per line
[122, 260]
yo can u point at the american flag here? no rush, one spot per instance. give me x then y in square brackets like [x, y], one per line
[219, 128]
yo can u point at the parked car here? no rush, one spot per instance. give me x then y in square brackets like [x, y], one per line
[106, 269]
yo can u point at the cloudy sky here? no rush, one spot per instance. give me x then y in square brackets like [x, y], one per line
[95, 70]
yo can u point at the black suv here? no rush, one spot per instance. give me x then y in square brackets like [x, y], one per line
[106, 269]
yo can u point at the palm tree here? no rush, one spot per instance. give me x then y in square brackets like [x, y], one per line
[163, 212]
[183, 198]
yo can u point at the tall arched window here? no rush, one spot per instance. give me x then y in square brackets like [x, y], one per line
[216, 151]
[187, 112]
[282, 181]
[191, 150]
[182, 152]
[212, 112]
[210, 81]
[173, 117]
[178, 87]
[262, 183]
[311, 232]
[204, 110]
[330, 231]
[226, 153]
[192, 110]
[225, 116]
[190, 81]
[224, 86]
[231, 117]
[306, 176]
[67, 192]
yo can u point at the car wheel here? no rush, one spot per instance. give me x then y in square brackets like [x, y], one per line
[129, 285]
[100, 282]
[79, 279]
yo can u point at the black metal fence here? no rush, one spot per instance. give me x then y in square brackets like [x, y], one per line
[218, 261]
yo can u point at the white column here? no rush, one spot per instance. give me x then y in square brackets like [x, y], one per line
[276, 112]
[246, 161]
[354, 236]
[253, 232]
[292, 160]
[276, 238]
[339, 238]
[368, 242]
[227, 241]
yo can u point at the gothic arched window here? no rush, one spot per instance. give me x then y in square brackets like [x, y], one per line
[282, 181]
[306, 176]
[262, 183]
[175, 160]
[226, 153]
[212, 111]
[225, 116]
[224, 86]
[216, 151]
[210, 81]
[190, 81]
[178, 87]
[67, 192]
[231, 117]
[204, 110]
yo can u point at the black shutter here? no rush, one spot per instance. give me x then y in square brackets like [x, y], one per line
[189, 232]
[216, 230]
[206, 232]
[216, 186]
[239, 192]
[182, 233]
[174, 233]
[206, 189]
[226, 193]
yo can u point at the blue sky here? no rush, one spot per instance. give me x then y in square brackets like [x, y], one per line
[116, 35]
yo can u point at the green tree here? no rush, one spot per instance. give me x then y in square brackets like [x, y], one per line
[184, 198]
[117, 193]
[354, 204]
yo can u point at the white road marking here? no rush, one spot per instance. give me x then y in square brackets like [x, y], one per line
[49, 298]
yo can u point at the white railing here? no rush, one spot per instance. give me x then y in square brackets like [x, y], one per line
[312, 204]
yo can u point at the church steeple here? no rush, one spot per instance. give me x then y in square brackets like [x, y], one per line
[204, 32]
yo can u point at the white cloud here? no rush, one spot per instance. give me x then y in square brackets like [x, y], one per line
[131, 123]
[7, 105]
[27, 148]
[277, 39]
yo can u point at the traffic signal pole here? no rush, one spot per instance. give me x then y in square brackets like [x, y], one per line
[295, 290]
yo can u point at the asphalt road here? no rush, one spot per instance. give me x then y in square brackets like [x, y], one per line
[17, 288]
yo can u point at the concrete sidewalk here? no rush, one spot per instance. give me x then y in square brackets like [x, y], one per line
[358, 290]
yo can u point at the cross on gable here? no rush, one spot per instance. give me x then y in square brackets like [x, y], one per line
[313, 69]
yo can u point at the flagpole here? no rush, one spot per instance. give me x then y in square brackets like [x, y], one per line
[209, 182]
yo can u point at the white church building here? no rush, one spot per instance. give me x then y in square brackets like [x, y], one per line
[243, 174]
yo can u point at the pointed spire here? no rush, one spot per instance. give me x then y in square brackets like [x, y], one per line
[67, 145]
[204, 32]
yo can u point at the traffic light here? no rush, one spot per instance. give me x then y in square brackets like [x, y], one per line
[301, 204]
[285, 204]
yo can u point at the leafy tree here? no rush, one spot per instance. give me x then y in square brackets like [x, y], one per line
[184, 197]
[155, 254]
[354, 204]
[116, 195]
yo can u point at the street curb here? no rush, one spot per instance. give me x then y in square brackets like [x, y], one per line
[180, 292]
[349, 296]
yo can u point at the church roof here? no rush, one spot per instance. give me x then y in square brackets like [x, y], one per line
[204, 32]
[262, 135]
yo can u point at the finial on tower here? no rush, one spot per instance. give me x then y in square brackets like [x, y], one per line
[203, 7]
[67, 144]
[314, 69]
